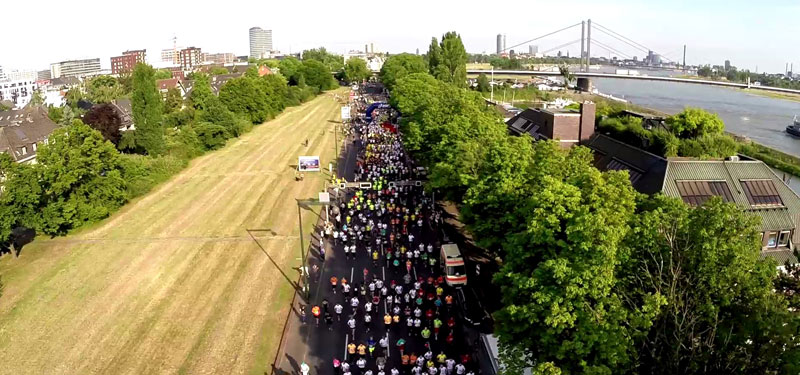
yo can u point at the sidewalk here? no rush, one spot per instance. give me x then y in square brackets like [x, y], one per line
[296, 337]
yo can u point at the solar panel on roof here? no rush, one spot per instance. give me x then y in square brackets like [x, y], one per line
[761, 193]
[697, 192]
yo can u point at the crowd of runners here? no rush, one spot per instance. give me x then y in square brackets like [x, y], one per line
[394, 309]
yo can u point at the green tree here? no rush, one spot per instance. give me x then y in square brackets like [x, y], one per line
[719, 312]
[20, 200]
[161, 74]
[694, 122]
[201, 92]
[318, 75]
[217, 70]
[291, 68]
[37, 99]
[453, 65]
[73, 96]
[434, 57]
[334, 62]
[245, 98]
[103, 89]
[483, 83]
[147, 111]
[355, 70]
[67, 115]
[80, 178]
[398, 66]
[558, 270]
[566, 74]
[212, 136]
[174, 101]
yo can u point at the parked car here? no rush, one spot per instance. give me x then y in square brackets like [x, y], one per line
[471, 310]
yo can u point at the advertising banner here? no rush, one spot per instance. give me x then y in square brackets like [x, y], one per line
[308, 164]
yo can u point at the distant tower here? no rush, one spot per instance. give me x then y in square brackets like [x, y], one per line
[366, 48]
[417, 51]
[175, 50]
[499, 43]
[260, 42]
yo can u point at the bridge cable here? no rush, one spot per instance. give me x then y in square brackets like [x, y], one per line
[610, 49]
[562, 46]
[628, 40]
[622, 40]
[540, 37]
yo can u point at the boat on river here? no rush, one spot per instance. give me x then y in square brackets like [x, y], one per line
[794, 128]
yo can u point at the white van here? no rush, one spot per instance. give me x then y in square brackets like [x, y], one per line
[455, 273]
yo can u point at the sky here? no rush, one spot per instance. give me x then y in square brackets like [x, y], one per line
[760, 35]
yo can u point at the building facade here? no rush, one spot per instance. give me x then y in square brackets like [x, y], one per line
[171, 55]
[126, 62]
[569, 127]
[43, 75]
[219, 58]
[19, 92]
[499, 43]
[260, 42]
[75, 68]
[190, 58]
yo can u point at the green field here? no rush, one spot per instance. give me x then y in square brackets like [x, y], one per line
[173, 283]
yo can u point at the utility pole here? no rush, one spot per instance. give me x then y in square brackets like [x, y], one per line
[583, 37]
[303, 267]
[588, 44]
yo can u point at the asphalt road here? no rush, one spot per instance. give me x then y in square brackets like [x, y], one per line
[317, 346]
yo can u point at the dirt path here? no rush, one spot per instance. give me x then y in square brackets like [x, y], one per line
[173, 283]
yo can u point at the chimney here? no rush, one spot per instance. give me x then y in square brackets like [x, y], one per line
[588, 110]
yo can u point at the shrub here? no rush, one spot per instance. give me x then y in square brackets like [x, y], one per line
[142, 173]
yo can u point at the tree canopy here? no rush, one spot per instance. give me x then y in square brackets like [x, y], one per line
[332, 61]
[103, 89]
[355, 70]
[104, 119]
[695, 122]
[596, 278]
[318, 75]
[448, 60]
[399, 66]
[147, 111]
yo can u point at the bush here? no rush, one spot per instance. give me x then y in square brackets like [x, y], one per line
[142, 173]
[709, 146]
[211, 135]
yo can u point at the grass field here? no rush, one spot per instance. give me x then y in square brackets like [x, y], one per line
[173, 284]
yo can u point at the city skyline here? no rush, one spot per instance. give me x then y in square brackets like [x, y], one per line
[713, 33]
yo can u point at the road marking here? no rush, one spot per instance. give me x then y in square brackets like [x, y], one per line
[351, 274]
[388, 346]
[415, 272]
[346, 338]
[383, 270]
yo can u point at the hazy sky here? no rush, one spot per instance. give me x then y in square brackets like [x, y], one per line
[751, 34]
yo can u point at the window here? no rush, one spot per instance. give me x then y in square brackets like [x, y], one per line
[761, 193]
[34, 147]
[772, 239]
[697, 192]
[783, 238]
[24, 150]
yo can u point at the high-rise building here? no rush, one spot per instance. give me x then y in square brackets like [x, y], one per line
[171, 55]
[190, 58]
[2, 75]
[260, 42]
[727, 65]
[499, 43]
[75, 68]
[128, 60]
[532, 49]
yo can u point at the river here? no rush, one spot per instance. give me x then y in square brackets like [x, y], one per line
[760, 118]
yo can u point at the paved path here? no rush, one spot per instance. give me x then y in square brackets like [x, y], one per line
[318, 346]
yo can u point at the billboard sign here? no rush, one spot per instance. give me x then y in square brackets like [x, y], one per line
[308, 164]
[346, 112]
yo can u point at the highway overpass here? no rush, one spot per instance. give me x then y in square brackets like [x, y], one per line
[531, 73]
